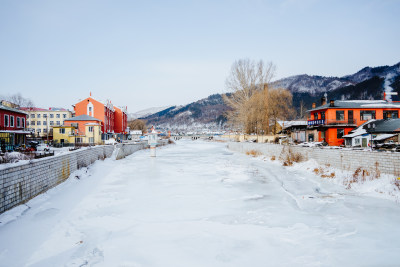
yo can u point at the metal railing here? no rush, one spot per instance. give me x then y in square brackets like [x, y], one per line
[348, 122]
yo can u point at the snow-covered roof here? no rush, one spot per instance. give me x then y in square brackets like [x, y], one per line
[286, 124]
[83, 117]
[359, 104]
[383, 137]
[359, 130]
[12, 109]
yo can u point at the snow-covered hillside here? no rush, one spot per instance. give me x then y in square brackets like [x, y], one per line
[145, 112]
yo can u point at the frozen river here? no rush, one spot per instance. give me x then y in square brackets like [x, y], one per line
[198, 204]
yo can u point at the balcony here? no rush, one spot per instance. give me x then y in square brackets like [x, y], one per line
[316, 123]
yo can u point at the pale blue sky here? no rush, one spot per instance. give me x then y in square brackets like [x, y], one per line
[157, 53]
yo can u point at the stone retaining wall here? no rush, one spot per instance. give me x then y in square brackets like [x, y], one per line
[350, 160]
[20, 183]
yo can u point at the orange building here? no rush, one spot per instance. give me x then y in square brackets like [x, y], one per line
[330, 121]
[120, 119]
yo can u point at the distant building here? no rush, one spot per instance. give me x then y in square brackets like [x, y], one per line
[41, 121]
[12, 128]
[82, 129]
[114, 120]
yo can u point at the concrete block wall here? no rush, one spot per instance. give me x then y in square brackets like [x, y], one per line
[350, 160]
[21, 183]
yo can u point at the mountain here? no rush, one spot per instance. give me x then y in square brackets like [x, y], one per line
[204, 115]
[208, 113]
[368, 83]
[145, 112]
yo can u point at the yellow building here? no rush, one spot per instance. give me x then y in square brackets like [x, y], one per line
[83, 129]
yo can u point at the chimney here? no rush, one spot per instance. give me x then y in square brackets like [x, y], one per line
[314, 105]
[323, 99]
[332, 103]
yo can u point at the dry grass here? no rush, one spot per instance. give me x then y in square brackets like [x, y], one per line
[273, 158]
[396, 182]
[291, 158]
[253, 153]
[321, 172]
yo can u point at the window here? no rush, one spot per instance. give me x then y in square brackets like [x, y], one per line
[390, 114]
[90, 109]
[44, 130]
[18, 122]
[340, 115]
[340, 133]
[357, 141]
[64, 116]
[366, 115]
[322, 115]
[11, 121]
[44, 115]
[51, 123]
[91, 139]
[23, 122]
[27, 123]
[51, 116]
[91, 129]
[61, 130]
[38, 123]
[57, 116]
[33, 123]
[6, 121]
[44, 122]
[78, 140]
[38, 116]
[315, 116]
[58, 122]
[39, 130]
[32, 116]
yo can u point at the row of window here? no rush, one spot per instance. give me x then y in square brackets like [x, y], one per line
[365, 115]
[45, 116]
[9, 121]
[62, 130]
[44, 123]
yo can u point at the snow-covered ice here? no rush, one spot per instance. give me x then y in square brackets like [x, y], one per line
[199, 204]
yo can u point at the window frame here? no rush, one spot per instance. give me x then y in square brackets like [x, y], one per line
[340, 136]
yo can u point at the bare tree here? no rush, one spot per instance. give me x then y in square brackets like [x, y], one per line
[246, 79]
[17, 100]
[280, 106]
[138, 125]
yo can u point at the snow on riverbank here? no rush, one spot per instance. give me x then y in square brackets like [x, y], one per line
[361, 182]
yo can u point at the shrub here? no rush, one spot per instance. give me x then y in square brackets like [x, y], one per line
[253, 153]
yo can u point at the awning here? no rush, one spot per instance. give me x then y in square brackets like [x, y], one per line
[16, 132]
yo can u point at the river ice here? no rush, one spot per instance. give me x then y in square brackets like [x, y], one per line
[199, 204]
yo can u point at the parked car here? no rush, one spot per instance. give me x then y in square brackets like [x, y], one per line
[43, 147]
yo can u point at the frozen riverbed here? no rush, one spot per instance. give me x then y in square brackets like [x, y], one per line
[198, 204]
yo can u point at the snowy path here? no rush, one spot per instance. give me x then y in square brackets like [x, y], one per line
[198, 204]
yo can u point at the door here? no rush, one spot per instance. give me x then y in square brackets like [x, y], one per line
[364, 142]
[350, 117]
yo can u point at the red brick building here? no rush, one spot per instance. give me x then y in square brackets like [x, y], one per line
[113, 120]
[12, 128]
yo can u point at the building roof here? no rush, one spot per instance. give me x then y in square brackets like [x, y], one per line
[385, 126]
[359, 104]
[83, 117]
[12, 109]
[287, 124]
